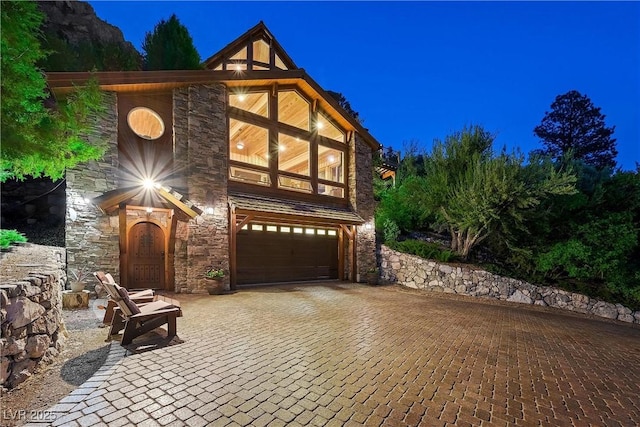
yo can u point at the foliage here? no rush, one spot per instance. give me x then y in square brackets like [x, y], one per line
[7, 237]
[574, 125]
[423, 249]
[79, 275]
[473, 193]
[213, 273]
[36, 140]
[391, 231]
[170, 47]
[346, 105]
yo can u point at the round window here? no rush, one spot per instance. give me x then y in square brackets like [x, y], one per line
[145, 123]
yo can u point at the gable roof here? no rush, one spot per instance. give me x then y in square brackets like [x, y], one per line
[257, 33]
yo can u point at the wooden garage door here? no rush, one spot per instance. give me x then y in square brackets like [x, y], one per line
[283, 253]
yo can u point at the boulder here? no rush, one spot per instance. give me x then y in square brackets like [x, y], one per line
[625, 318]
[605, 309]
[519, 296]
[5, 365]
[21, 371]
[23, 311]
[37, 345]
[12, 346]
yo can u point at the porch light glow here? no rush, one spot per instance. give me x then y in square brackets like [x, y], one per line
[319, 125]
[241, 98]
[331, 159]
[87, 200]
[208, 210]
[240, 145]
[368, 226]
[149, 210]
[281, 147]
[148, 183]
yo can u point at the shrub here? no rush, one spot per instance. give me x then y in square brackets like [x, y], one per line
[423, 249]
[390, 231]
[7, 237]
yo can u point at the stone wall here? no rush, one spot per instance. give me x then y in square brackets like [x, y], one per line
[33, 331]
[91, 236]
[362, 201]
[200, 130]
[419, 273]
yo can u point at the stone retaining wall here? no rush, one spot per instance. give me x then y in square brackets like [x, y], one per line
[33, 331]
[419, 273]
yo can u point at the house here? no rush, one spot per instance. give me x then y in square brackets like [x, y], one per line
[248, 165]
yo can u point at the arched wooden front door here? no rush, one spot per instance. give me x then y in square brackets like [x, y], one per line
[146, 256]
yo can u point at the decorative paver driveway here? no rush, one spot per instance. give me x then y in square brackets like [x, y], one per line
[343, 354]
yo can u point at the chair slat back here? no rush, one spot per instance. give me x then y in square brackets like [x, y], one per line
[112, 290]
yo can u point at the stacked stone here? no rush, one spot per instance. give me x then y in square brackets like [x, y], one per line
[33, 331]
[419, 273]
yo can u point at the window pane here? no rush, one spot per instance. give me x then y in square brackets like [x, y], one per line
[251, 176]
[293, 109]
[236, 66]
[254, 102]
[285, 229]
[256, 227]
[330, 165]
[294, 184]
[330, 190]
[332, 232]
[218, 67]
[280, 64]
[248, 143]
[293, 154]
[241, 54]
[328, 129]
[272, 228]
[261, 51]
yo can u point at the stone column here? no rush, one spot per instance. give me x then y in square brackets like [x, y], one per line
[91, 236]
[361, 199]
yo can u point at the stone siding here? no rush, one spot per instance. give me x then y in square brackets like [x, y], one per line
[362, 201]
[419, 273]
[33, 331]
[91, 236]
[200, 131]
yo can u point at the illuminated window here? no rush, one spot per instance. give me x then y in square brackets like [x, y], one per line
[293, 155]
[253, 102]
[256, 227]
[248, 143]
[309, 231]
[145, 123]
[272, 228]
[330, 190]
[245, 227]
[249, 175]
[328, 130]
[330, 163]
[261, 51]
[279, 63]
[321, 232]
[285, 229]
[293, 109]
[297, 230]
[331, 232]
[295, 184]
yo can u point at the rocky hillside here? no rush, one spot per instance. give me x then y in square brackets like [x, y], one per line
[81, 41]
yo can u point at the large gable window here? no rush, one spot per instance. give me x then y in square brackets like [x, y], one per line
[293, 109]
[248, 143]
[253, 102]
[276, 140]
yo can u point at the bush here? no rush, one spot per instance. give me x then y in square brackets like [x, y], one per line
[390, 231]
[423, 250]
[7, 237]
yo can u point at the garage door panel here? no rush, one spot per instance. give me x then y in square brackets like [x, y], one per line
[267, 257]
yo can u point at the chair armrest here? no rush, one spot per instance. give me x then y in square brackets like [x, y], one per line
[142, 316]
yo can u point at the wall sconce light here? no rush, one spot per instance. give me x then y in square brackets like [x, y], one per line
[87, 200]
[368, 226]
[149, 210]
[208, 210]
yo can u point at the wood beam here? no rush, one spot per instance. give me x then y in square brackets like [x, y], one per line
[243, 222]
[354, 275]
[122, 223]
[233, 273]
[177, 203]
[341, 254]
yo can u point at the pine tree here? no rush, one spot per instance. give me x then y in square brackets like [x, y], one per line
[170, 47]
[575, 124]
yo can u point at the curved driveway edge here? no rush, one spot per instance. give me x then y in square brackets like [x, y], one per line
[343, 354]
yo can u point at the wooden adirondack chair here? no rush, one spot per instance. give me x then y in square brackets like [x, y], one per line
[137, 319]
[139, 297]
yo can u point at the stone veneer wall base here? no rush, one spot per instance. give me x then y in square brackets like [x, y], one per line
[418, 273]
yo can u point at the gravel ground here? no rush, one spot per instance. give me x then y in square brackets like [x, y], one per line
[84, 353]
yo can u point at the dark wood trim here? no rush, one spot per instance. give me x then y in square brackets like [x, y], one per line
[236, 163]
[122, 222]
[290, 219]
[170, 282]
[250, 54]
[233, 230]
[354, 261]
[244, 221]
[341, 253]
[243, 187]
